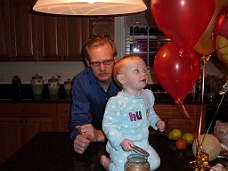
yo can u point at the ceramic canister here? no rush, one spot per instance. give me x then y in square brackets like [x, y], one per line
[68, 86]
[53, 85]
[37, 84]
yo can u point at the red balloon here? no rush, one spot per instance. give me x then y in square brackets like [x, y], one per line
[183, 21]
[175, 74]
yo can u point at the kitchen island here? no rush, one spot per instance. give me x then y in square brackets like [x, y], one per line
[53, 151]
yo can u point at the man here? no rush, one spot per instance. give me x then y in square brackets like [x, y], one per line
[91, 90]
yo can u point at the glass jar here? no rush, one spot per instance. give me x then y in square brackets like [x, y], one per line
[137, 162]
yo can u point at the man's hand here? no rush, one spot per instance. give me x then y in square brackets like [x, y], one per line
[89, 132]
[80, 144]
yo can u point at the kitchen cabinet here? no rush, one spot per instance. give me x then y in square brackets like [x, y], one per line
[5, 48]
[62, 37]
[19, 122]
[174, 117]
[64, 114]
[18, 31]
[27, 35]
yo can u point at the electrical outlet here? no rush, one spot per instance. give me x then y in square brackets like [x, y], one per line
[59, 76]
[2, 77]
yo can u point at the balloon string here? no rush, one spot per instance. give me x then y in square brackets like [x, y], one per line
[186, 113]
[193, 95]
[205, 60]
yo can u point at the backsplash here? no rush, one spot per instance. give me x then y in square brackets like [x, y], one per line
[68, 70]
[25, 92]
[26, 70]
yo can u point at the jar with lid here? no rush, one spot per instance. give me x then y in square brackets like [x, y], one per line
[68, 86]
[37, 84]
[53, 86]
[137, 161]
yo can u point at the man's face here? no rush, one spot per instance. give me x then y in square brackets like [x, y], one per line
[100, 54]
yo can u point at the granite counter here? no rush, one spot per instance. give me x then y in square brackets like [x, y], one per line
[53, 151]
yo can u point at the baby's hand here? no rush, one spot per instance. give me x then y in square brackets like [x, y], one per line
[161, 125]
[127, 145]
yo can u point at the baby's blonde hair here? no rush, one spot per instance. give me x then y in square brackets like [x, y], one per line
[120, 64]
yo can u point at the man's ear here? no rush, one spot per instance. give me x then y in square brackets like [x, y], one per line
[87, 62]
[121, 79]
[115, 59]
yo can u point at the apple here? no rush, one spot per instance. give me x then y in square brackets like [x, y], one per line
[181, 144]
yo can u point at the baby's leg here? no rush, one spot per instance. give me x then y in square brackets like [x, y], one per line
[105, 162]
[153, 159]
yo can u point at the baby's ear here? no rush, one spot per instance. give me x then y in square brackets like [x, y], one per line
[121, 79]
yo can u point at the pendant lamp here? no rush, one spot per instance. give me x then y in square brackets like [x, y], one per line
[89, 7]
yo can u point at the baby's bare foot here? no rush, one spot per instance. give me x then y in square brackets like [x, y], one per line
[105, 162]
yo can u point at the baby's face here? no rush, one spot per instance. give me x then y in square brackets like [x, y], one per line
[135, 74]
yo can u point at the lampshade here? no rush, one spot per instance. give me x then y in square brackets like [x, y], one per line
[89, 7]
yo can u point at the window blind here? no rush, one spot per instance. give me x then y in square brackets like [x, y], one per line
[144, 42]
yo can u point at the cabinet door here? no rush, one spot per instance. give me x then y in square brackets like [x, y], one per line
[5, 48]
[34, 125]
[10, 136]
[23, 30]
[78, 35]
[62, 37]
[64, 114]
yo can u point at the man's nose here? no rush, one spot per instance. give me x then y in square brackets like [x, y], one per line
[102, 67]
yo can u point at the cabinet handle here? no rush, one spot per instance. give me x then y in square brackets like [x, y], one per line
[23, 110]
[60, 57]
[166, 123]
[26, 121]
[12, 57]
[64, 57]
[66, 111]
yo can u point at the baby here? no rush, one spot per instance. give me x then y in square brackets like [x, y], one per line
[129, 114]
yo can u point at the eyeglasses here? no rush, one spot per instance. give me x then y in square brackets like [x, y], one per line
[97, 64]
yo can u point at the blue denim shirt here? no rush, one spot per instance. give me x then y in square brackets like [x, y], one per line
[88, 97]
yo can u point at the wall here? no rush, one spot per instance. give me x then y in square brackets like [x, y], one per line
[25, 70]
